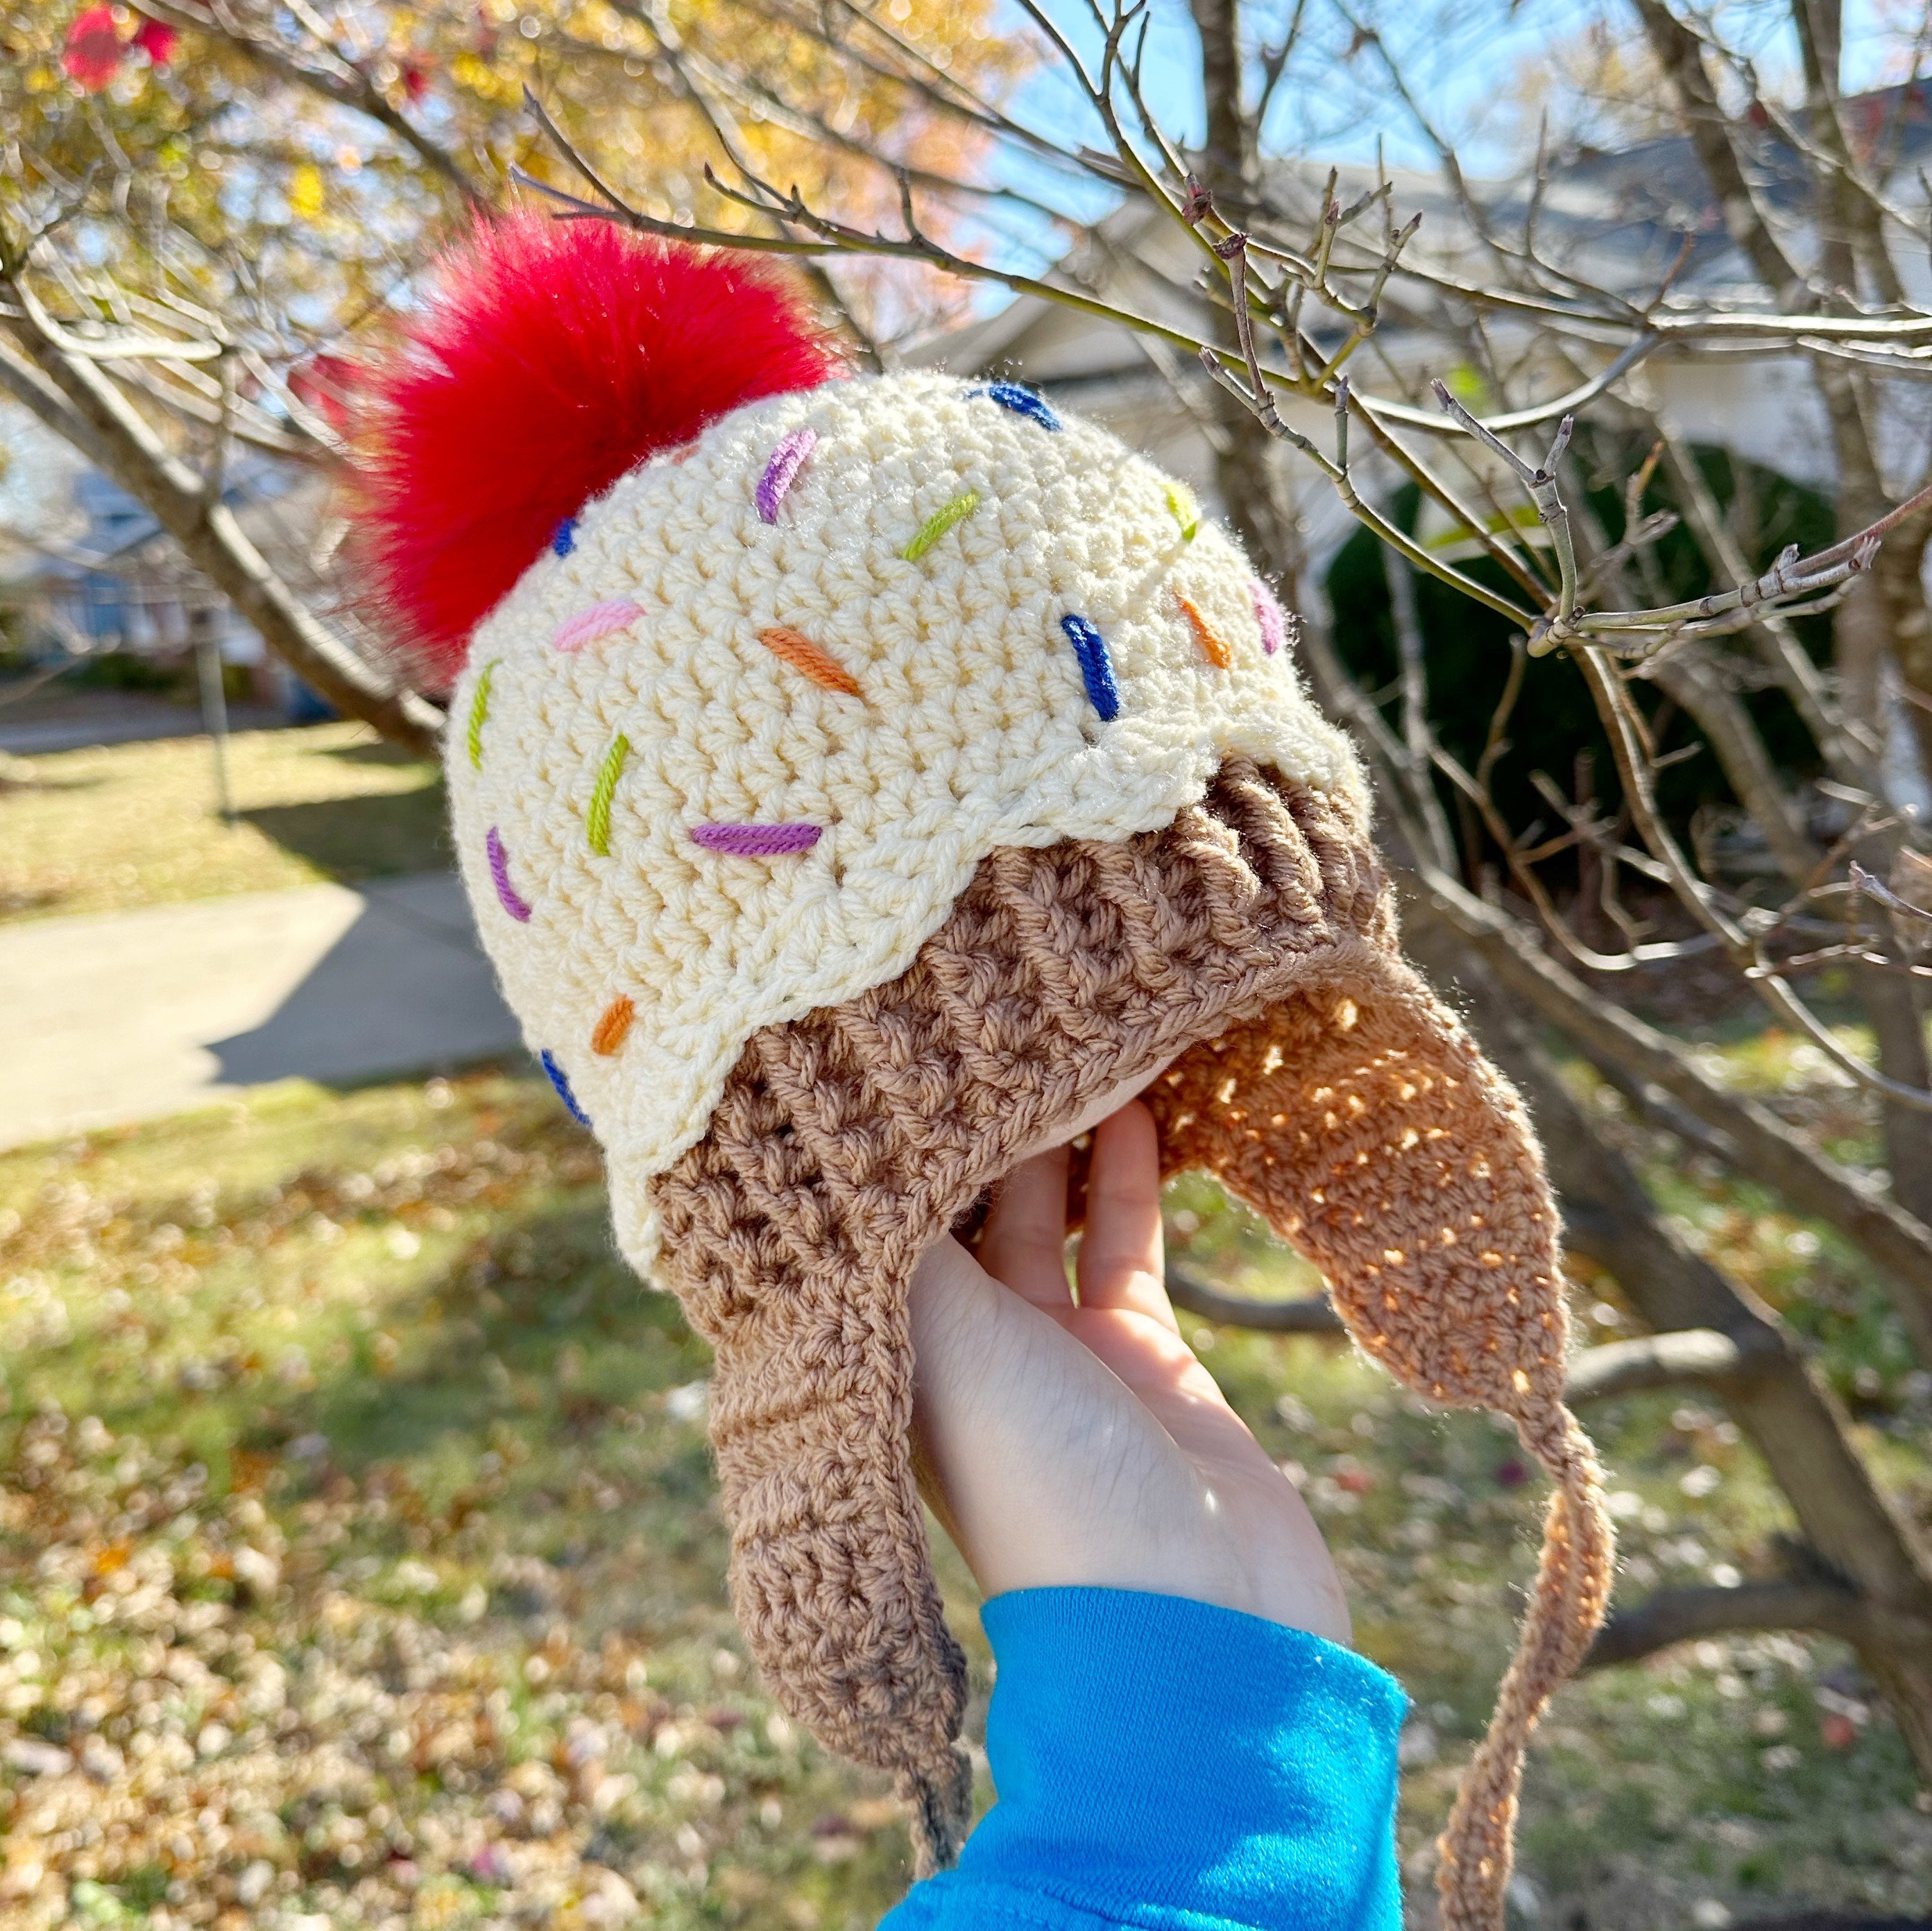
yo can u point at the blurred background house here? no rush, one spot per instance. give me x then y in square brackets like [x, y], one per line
[104, 627]
[1639, 221]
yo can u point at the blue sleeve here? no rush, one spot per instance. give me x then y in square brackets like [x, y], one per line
[1174, 1767]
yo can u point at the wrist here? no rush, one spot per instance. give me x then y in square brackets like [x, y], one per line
[1160, 1761]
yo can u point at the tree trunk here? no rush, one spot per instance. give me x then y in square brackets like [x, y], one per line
[1894, 1005]
[1898, 572]
[62, 389]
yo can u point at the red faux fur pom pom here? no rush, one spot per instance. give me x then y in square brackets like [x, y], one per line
[554, 357]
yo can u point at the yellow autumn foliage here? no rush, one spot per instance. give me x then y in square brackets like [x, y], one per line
[331, 210]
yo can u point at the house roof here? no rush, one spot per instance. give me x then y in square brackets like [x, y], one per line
[1620, 219]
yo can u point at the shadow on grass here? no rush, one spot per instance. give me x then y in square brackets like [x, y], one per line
[378, 752]
[540, 1323]
[522, 1383]
[33, 898]
[529, 1388]
[380, 834]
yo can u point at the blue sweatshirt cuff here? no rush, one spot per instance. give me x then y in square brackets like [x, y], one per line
[1167, 1764]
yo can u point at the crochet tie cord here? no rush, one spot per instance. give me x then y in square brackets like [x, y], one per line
[855, 779]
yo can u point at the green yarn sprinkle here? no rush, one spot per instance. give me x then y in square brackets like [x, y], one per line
[597, 819]
[939, 522]
[479, 709]
[1186, 511]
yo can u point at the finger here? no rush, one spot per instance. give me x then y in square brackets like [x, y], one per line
[1025, 1243]
[1163, 1372]
[1007, 1408]
[1121, 1262]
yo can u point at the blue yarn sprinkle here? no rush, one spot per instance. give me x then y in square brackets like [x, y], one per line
[564, 541]
[558, 1079]
[1022, 402]
[1096, 667]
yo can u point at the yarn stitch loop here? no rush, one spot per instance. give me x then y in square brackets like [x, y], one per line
[597, 818]
[793, 647]
[1185, 510]
[1270, 616]
[560, 1080]
[757, 841]
[939, 522]
[591, 626]
[479, 709]
[1022, 402]
[1213, 646]
[614, 1026]
[1096, 667]
[786, 460]
[507, 895]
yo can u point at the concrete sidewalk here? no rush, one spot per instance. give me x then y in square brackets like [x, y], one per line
[78, 720]
[129, 1015]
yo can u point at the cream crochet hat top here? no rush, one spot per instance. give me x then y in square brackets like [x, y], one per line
[857, 779]
[733, 748]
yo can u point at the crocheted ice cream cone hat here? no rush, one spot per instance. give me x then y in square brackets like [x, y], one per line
[857, 777]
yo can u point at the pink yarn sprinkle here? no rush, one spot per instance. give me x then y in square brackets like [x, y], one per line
[499, 875]
[787, 459]
[757, 841]
[1269, 615]
[600, 620]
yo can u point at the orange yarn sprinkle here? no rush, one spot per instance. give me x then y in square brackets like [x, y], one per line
[805, 656]
[614, 1026]
[1216, 652]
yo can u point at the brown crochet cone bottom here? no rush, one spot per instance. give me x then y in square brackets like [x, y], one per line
[1249, 948]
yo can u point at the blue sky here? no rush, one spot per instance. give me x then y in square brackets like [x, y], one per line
[1463, 57]
[1330, 107]
[1466, 60]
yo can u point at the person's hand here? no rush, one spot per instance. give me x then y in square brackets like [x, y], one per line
[1064, 1443]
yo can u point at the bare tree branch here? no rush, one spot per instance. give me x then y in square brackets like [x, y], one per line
[1713, 133]
[128, 449]
[1188, 1292]
[1616, 1368]
[1673, 1616]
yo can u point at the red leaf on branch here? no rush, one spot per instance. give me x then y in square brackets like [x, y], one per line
[157, 40]
[92, 52]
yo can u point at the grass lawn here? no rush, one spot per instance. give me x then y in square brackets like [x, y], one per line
[108, 829]
[360, 1562]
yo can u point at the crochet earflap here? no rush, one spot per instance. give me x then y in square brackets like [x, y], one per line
[855, 780]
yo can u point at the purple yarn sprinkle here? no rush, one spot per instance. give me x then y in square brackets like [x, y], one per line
[757, 841]
[787, 459]
[1269, 615]
[500, 874]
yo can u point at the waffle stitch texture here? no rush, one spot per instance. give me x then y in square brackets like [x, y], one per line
[837, 840]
